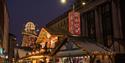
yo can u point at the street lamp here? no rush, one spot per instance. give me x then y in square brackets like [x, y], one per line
[83, 3]
[63, 1]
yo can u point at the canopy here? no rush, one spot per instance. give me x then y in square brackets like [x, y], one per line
[93, 47]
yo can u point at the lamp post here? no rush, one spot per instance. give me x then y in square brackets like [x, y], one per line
[63, 1]
[73, 6]
[74, 18]
[83, 3]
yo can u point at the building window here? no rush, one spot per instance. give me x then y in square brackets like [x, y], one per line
[66, 24]
[122, 10]
[106, 22]
[61, 23]
[89, 18]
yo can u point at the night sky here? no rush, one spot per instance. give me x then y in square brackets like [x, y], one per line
[39, 11]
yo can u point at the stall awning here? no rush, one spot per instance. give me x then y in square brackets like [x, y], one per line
[83, 45]
[92, 47]
[71, 53]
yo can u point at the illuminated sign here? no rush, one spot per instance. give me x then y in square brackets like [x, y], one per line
[53, 40]
[74, 23]
[43, 36]
[46, 37]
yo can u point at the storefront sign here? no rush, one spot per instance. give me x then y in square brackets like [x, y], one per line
[74, 23]
[45, 37]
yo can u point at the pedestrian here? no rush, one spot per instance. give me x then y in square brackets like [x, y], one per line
[98, 61]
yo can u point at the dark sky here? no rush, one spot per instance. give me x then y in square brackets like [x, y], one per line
[44, 10]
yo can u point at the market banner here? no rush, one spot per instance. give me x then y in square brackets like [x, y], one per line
[74, 23]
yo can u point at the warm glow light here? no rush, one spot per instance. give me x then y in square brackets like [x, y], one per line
[42, 50]
[47, 59]
[37, 52]
[63, 1]
[83, 3]
[34, 61]
[29, 53]
[34, 57]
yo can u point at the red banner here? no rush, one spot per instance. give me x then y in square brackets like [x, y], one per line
[74, 23]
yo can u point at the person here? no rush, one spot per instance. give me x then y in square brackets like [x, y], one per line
[98, 61]
[41, 62]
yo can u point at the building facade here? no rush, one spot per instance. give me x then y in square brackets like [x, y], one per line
[11, 47]
[4, 22]
[29, 34]
[101, 20]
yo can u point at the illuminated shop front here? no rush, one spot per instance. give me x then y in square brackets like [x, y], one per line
[3, 56]
[74, 51]
[76, 59]
[45, 43]
[34, 59]
[45, 38]
[84, 58]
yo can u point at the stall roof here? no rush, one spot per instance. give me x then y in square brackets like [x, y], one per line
[89, 47]
[84, 48]
[92, 47]
[68, 53]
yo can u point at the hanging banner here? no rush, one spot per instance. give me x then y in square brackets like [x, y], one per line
[74, 23]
